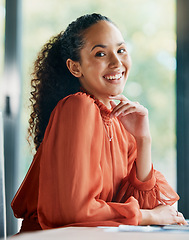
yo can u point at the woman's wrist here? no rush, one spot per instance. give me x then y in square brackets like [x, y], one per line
[147, 217]
[143, 140]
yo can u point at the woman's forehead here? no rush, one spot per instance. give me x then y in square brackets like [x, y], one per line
[103, 33]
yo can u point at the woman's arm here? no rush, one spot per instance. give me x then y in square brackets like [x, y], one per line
[134, 118]
[143, 161]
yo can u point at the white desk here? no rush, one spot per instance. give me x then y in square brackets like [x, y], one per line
[85, 233]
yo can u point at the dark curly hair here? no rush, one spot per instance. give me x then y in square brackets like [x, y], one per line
[52, 80]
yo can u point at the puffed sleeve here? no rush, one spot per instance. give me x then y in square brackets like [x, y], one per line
[150, 193]
[70, 179]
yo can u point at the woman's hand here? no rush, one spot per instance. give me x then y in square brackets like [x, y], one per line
[133, 116]
[162, 215]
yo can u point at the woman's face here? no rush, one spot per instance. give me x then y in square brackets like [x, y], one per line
[105, 62]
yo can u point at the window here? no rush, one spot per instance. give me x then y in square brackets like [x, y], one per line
[2, 35]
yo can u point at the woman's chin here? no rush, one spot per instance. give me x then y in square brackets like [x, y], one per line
[116, 92]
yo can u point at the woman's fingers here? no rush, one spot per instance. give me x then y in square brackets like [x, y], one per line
[126, 107]
[115, 107]
[113, 104]
[180, 219]
[120, 108]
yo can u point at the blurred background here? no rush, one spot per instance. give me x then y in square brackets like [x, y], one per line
[149, 29]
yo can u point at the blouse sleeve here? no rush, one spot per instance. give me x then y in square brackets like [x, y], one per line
[150, 193]
[70, 180]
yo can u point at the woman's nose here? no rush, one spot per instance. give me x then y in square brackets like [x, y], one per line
[115, 61]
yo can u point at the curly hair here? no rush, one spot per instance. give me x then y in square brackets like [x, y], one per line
[52, 80]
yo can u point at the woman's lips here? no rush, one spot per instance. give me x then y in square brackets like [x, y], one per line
[116, 76]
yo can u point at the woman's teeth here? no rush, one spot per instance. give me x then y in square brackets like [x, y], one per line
[115, 77]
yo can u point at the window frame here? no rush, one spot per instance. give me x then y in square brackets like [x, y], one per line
[182, 106]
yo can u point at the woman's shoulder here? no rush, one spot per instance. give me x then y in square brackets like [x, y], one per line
[76, 101]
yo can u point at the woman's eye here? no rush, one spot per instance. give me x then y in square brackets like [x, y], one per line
[122, 50]
[100, 54]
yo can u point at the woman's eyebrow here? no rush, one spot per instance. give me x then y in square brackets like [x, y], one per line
[98, 45]
[105, 46]
[119, 44]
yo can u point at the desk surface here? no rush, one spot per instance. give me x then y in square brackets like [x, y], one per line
[86, 233]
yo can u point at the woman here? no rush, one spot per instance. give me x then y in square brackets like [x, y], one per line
[93, 162]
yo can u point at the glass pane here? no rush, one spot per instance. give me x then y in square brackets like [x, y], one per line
[149, 30]
[2, 38]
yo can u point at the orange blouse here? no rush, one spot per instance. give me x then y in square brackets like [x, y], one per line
[80, 178]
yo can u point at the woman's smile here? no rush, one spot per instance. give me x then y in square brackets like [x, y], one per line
[114, 78]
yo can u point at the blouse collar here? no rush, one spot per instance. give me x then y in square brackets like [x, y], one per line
[105, 112]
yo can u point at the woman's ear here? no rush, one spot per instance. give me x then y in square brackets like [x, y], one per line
[74, 68]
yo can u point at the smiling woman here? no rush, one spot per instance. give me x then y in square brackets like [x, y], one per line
[149, 30]
[93, 163]
[105, 64]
